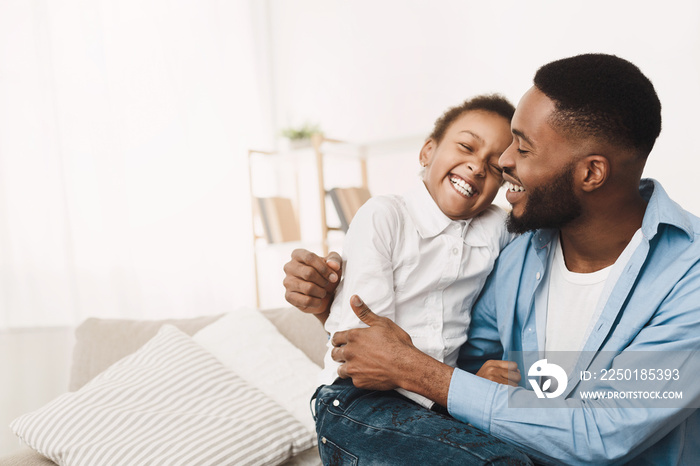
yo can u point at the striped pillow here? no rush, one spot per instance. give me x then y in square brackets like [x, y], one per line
[170, 403]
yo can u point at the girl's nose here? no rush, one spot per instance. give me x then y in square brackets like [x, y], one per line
[477, 167]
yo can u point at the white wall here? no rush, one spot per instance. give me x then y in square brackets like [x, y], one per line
[35, 368]
[124, 125]
[368, 70]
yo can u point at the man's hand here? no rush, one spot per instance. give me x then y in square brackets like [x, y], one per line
[505, 372]
[383, 357]
[373, 355]
[310, 281]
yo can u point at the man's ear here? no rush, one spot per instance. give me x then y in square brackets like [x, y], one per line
[595, 170]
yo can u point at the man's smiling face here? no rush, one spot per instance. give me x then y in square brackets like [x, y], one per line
[538, 168]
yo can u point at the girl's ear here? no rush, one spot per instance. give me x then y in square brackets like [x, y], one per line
[426, 153]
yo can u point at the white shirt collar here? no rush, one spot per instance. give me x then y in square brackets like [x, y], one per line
[429, 220]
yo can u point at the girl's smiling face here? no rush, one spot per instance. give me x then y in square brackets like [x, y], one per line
[462, 172]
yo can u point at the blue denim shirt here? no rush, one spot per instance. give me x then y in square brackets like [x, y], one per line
[653, 306]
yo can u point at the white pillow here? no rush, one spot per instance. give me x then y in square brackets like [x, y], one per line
[170, 403]
[250, 345]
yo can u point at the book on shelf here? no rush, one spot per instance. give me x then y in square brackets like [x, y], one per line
[347, 202]
[278, 219]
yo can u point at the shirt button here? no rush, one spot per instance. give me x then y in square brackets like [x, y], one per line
[455, 251]
[537, 276]
[336, 402]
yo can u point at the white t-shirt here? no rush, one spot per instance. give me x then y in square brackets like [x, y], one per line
[572, 302]
[575, 302]
[573, 298]
[411, 263]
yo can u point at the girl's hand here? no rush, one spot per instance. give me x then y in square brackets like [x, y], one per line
[504, 372]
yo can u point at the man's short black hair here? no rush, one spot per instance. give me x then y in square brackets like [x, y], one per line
[603, 96]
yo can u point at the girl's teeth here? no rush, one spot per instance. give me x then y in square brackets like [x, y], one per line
[462, 186]
[514, 188]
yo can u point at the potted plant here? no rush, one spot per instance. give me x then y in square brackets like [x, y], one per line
[300, 137]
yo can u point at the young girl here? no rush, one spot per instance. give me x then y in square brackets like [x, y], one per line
[422, 258]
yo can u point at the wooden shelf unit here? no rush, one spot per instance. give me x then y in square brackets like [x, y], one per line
[321, 148]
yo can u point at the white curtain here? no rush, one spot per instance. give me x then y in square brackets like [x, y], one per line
[123, 133]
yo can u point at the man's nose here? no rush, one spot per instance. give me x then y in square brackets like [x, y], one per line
[506, 158]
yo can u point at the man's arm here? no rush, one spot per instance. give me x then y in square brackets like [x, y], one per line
[310, 282]
[383, 357]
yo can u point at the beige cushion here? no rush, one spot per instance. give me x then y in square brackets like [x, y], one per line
[303, 330]
[99, 343]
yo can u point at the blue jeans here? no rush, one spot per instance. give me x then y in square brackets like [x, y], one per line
[364, 427]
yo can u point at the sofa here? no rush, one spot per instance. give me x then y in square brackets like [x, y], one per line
[113, 359]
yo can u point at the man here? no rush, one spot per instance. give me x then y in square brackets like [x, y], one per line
[607, 269]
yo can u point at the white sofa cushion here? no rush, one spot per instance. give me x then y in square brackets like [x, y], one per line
[247, 343]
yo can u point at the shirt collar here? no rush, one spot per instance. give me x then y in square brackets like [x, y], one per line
[426, 215]
[660, 210]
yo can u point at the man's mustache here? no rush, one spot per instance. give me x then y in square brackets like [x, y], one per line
[509, 171]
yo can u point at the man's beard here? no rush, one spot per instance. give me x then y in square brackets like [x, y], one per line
[550, 206]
